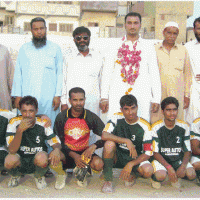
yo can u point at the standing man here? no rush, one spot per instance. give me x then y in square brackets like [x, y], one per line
[38, 71]
[171, 147]
[134, 71]
[6, 78]
[74, 126]
[193, 48]
[174, 66]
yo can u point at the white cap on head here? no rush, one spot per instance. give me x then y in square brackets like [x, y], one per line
[174, 24]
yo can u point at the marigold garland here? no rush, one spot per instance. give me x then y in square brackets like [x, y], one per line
[129, 60]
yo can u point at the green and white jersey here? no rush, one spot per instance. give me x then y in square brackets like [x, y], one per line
[195, 130]
[139, 133]
[5, 116]
[171, 143]
[33, 139]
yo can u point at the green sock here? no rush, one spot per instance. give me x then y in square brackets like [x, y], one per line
[39, 171]
[107, 170]
[14, 172]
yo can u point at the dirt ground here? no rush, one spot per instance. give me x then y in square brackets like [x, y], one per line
[142, 189]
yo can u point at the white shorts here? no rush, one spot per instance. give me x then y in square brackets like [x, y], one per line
[157, 166]
[194, 159]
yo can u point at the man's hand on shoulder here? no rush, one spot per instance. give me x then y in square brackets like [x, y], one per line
[17, 99]
[186, 102]
[24, 124]
[54, 157]
[56, 103]
[64, 107]
[131, 147]
[104, 105]
[154, 107]
[89, 151]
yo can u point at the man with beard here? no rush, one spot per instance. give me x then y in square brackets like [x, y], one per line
[38, 71]
[74, 126]
[82, 68]
[193, 48]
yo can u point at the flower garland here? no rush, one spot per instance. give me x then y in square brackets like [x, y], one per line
[129, 61]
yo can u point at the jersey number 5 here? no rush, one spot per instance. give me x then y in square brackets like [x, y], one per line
[38, 139]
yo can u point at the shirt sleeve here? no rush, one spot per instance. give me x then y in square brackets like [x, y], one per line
[155, 141]
[194, 132]
[187, 145]
[10, 69]
[10, 132]
[187, 74]
[17, 81]
[110, 124]
[155, 77]
[59, 72]
[52, 138]
[147, 142]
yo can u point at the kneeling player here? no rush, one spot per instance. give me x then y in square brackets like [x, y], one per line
[5, 116]
[25, 138]
[73, 128]
[171, 147]
[128, 145]
[195, 146]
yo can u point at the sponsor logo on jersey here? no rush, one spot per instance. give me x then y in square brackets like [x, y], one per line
[31, 150]
[171, 151]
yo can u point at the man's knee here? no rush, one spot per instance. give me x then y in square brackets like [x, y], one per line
[190, 173]
[41, 159]
[146, 170]
[109, 147]
[97, 163]
[196, 166]
[160, 175]
[12, 161]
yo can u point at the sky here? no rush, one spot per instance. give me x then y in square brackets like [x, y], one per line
[196, 14]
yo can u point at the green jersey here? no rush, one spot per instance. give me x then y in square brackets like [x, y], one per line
[33, 139]
[171, 143]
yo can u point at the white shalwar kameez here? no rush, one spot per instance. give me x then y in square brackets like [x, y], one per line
[147, 87]
[193, 110]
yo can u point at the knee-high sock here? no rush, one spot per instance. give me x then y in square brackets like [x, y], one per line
[107, 170]
[14, 171]
[39, 171]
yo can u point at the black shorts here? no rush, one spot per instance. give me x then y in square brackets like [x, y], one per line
[3, 154]
[27, 165]
[69, 162]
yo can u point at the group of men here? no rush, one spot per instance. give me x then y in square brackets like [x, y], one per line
[136, 74]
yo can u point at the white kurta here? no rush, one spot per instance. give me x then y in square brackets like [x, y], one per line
[147, 87]
[83, 72]
[193, 111]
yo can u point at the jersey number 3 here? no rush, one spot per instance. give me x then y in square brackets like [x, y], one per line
[38, 139]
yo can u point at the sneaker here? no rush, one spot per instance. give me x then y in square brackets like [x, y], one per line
[155, 184]
[60, 181]
[177, 184]
[14, 181]
[107, 187]
[40, 182]
[82, 183]
[89, 172]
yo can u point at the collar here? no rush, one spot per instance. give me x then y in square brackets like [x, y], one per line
[160, 45]
[124, 39]
[196, 42]
[82, 116]
[134, 122]
[168, 127]
[77, 52]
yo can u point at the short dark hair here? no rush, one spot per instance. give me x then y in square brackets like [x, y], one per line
[134, 14]
[196, 20]
[128, 100]
[169, 100]
[76, 90]
[28, 100]
[81, 29]
[38, 19]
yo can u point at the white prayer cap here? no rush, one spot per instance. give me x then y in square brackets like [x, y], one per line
[174, 24]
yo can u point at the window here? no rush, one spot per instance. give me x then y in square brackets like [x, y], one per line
[27, 26]
[93, 24]
[52, 27]
[9, 20]
[66, 27]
